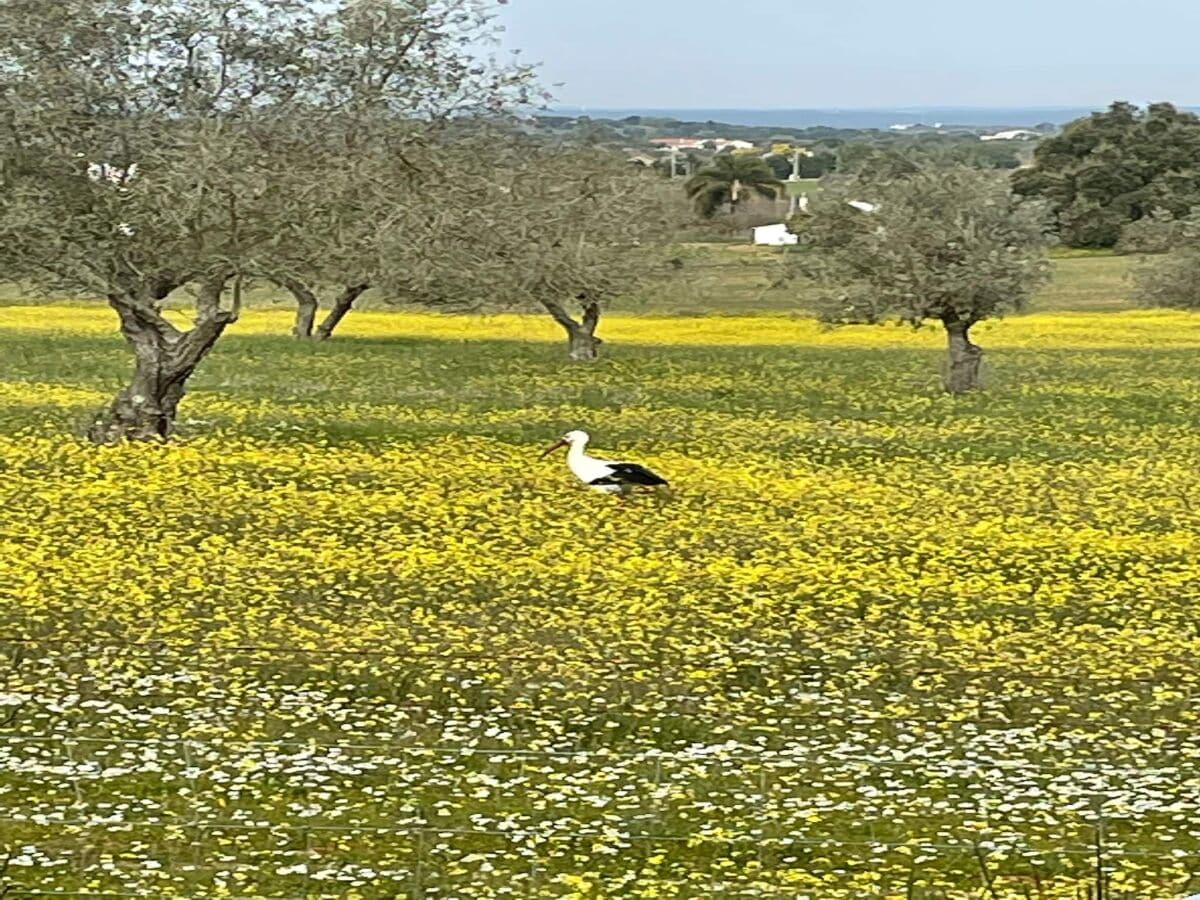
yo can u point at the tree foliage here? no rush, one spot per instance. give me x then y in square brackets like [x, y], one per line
[1115, 167]
[1171, 280]
[395, 73]
[562, 230]
[728, 180]
[146, 145]
[885, 159]
[952, 245]
[780, 165]
[133, 154]
[1156, 232]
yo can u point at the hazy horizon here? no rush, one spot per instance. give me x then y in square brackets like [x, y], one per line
[864, 54]
[916, 107]
[846, 117]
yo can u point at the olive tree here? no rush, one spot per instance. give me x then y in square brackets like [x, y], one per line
[132, 164]
[352, 188]
[529, 227]
[953, 245]
[397, 72]
[1171, 281]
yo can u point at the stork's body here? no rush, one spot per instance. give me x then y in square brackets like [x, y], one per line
[604, 475]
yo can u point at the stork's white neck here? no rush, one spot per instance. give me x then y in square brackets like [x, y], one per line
[586, 468]
[576, 451]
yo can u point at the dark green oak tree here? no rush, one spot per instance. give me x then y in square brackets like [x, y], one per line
[1116, 167]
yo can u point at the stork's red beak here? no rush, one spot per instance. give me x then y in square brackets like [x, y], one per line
[552, 448]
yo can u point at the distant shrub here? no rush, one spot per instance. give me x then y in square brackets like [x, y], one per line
[1155, 233]
[1171, 281]
[1086, 223]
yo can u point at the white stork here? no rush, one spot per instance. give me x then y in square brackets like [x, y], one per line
[603, 475]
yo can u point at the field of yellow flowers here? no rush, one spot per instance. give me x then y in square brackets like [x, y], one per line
[349, 637]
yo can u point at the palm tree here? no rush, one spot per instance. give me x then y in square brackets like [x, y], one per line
[728, 179]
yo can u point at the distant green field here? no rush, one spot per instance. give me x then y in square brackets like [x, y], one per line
[726, 279]
[1088, 284]
[803, 186]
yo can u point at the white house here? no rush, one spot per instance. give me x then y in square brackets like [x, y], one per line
[683, 143]
[699, 143]
[1017, 134]
[860, 205]
[773, 235]
[110, 173]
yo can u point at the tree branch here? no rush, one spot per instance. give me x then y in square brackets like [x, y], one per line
[560, 315]
[591, 314]
[137, 316]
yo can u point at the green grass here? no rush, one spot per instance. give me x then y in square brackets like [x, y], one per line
[1081, 252]
[720, 279]
[1087, 284]
[801, 187]
[1042, 453]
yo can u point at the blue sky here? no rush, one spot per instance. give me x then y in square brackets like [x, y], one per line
[859, 53]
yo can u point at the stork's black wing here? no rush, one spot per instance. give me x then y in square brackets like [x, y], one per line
[632, 473]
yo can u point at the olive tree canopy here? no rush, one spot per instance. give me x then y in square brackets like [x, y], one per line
[398, 73]
[131, 159]
[954, 245]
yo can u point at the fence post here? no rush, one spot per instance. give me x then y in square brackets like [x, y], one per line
[1100, 882]
[418, 886]
[307, 862]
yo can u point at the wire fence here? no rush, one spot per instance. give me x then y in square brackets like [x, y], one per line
[602, 754]
[817, 663]
[609, 834]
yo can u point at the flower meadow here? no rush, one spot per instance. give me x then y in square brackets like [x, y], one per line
[349, 637]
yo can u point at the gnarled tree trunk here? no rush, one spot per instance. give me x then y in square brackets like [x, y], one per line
[306, 305]
[582, 343]
[965, 358]
[342, 305]
[165, 358]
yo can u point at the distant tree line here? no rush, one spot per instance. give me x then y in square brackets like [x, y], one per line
[825, 150]
[640, 129]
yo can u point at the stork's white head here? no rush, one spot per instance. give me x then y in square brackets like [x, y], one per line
[570, 439]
